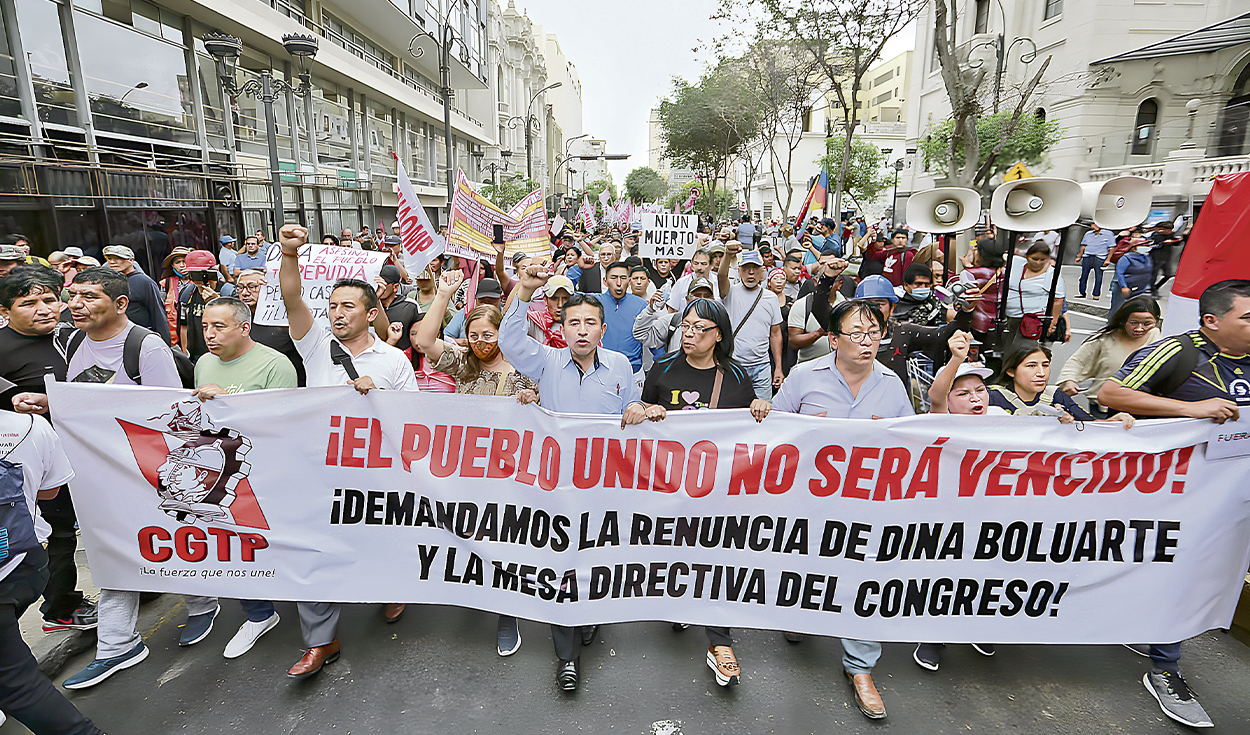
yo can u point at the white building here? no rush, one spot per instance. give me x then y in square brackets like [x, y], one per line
[1121, 80]
[517, 76]
[565, 106]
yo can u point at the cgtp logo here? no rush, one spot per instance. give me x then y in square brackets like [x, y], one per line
[199, 472]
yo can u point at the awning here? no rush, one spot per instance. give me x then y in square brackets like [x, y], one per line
[1232, 32]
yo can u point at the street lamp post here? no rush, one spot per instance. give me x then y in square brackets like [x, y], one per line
[1001, 51]
[529, 122]
[898, 167]
[225, 49]
[446, 35]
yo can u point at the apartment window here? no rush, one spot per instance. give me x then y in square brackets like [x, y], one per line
[807, 120]
[1144, 127]
[1053, 8]
[982, 23]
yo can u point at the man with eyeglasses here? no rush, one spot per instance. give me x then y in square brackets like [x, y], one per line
[849, 383]
[250, 284]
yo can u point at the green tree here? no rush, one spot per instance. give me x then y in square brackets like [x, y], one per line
[705, 125]
[645, 185]
[866, 176]
[704, 204]
[1003, 139]
[509, 190]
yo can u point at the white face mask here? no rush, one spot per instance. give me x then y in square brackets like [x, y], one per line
[1143, 249]
[921, 294]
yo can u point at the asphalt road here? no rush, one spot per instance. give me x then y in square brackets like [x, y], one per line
[436, 671]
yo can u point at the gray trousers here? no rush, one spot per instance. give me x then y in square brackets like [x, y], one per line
[119, 618]
[568, 641]
[318, 621]
[718, 636]
[858, 657]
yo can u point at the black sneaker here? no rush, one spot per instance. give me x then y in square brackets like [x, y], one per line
[84, 618]
[928, 655]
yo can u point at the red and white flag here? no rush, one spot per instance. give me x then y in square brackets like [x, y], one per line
[422, 243]
[694, 195]
[587, 213]
[470, 292]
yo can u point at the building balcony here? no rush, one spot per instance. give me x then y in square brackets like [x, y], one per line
[1179, 163]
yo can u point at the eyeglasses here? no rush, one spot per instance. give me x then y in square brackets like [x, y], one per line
[695, 329]
[872, 335]
[252, 287]
[483, 338]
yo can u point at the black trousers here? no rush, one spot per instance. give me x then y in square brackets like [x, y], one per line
[61, 597]
[27, 695]
[1160, 268]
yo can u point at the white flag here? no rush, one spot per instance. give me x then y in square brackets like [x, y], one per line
[422, 243]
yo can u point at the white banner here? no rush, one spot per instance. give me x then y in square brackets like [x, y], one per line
[931, 528]
[319, 267]
[422, 243]
[666, 235]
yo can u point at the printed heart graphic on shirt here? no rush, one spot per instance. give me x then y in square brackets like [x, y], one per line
[690, 396]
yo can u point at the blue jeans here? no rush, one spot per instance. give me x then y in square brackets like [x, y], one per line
[859, 657]
[257, 611]
[1166, 657]
[761, 375]
[1091, 263]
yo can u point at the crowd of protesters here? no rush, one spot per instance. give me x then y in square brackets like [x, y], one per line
[818, 318]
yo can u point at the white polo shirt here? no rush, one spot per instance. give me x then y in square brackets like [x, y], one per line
[387, 365]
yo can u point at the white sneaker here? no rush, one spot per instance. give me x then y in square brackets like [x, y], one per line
[248, 634]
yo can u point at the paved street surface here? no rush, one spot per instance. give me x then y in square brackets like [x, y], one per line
[436, 671]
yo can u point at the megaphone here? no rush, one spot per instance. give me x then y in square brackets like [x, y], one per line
[1118, 203]
[1033, 205]
[942, 210]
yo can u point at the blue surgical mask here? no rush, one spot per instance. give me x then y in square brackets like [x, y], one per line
[920, 294]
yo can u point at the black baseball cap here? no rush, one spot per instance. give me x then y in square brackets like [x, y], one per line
[489, 287]
[390, 274]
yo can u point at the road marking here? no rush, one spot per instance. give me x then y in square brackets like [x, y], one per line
[1082, 331]
[1088, 316]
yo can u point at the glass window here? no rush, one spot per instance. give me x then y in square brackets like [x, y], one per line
[214, 102]
[142, 92]
[1053, 8]
[982, 22]
[10, 103]
[1144, 127]
[40, 26]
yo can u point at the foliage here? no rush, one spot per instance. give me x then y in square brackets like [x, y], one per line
[703, 205]
[1027, 141]
[645, 185]
[866, 176]
[704, 125]
[844, 38]
[596, 186]
[509, 190]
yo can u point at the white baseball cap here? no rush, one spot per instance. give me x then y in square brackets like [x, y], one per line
[972, 368]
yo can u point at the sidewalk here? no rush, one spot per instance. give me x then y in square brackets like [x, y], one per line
[52, 650]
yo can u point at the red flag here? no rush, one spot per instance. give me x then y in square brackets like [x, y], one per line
[470, 294]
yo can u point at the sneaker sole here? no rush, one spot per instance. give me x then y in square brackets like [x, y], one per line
[720, 678]
[923, 664]
[123, 665]
[271, 623]
[54, 627]
[203, 635]
[1145, 680]
[982, 651]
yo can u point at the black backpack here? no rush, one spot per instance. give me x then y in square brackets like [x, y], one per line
[130, 356]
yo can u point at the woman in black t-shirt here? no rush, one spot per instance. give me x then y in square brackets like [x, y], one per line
[701, 375]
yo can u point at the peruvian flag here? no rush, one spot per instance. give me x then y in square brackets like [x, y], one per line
[422, 243]
[587, 213]
[1216, 250]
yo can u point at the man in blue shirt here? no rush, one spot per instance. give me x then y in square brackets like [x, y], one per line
[251, 256]
[1095, 247]
[849, 383]
[620, 310]
[580, 378]
[746, 232]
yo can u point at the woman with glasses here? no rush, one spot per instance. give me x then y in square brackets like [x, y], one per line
[701, 375]
[1131, 327]
[479, 369]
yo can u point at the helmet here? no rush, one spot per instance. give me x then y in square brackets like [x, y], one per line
[876, 287]
[200, 260]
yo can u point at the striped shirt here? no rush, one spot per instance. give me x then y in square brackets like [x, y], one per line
[1216, 375]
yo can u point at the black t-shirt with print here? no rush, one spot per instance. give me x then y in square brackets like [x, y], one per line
[676, 386]
[24, 360]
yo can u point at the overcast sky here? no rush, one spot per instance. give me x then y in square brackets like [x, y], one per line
[626, 55]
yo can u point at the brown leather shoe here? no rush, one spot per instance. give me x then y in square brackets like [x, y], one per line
[393, 611]
[866, 696]
[314, 659]
[723, 663]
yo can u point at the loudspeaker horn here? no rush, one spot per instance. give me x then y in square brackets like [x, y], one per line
[942, 210]
[1033, 205]
[1118, 203]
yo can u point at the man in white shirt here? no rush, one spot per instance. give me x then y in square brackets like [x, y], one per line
[98, 298]
[35, 466]
[755, 315]
[700, 267]
[340, 353]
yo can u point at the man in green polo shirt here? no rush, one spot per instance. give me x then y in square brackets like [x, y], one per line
[235, 363]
